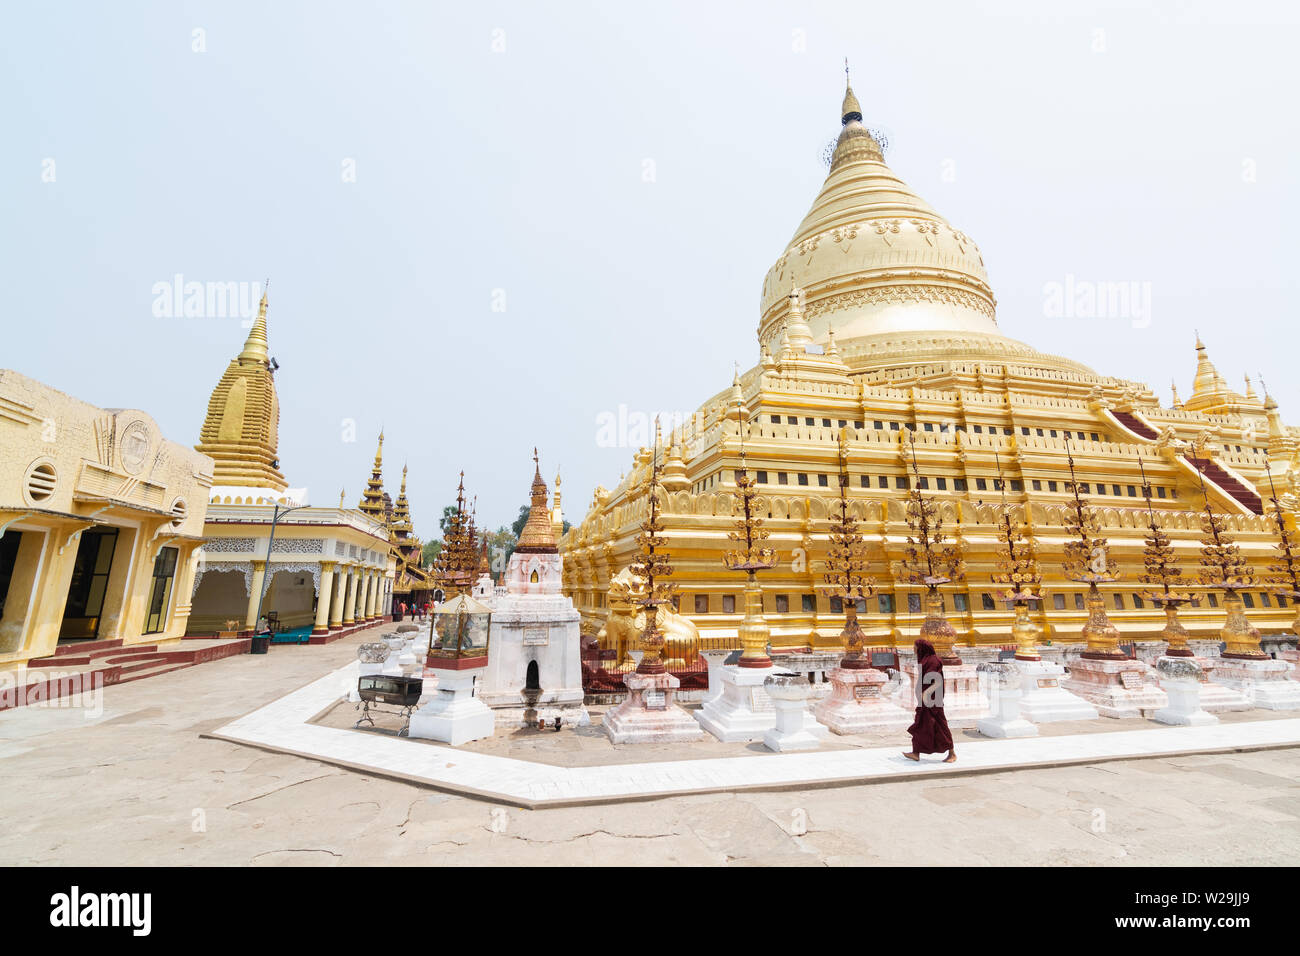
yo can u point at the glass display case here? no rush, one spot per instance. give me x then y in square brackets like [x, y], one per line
[458, 634]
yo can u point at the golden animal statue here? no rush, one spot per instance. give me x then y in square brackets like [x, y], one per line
[626, 621]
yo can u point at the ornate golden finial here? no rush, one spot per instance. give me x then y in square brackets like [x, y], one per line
[1162, 571]
[849, 109]
[255, 346]
[930, 562]
[1174, 388]
[538, 535]
[847, 574]
[342, 494]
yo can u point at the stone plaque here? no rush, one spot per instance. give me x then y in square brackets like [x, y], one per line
[1047, 682]
[656, 700]
[759, 702]
[866, 691]
[1132, 680]
[537, 636]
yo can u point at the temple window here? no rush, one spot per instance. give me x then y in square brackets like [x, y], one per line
[1263, 599]
[821, 480]
[1094, 436]
[1114, 490]
[782, 604]
[843, 423]
[810, 421]
[959, 602]
[1137, 602]
[1052, 433]
[1017, 484]
[929, 427]
[728, 604]
[803, 479]
[826, 423]
[861, 605]
[959, 484]
[809, 603]
[837, 605]
[900, 482]
[864, 481]
[1039, 432]
[1083, 488]
[1281, 600]
[792, 420]
[941, 484]
[1078, 602]
[1247, 599]
[923, 482]
[981, 484]
[776, 419]
[677, 603]
[879, 426]
[882, 481]
[1051, 486]
[893, 426]
[1214, 599]
[1132, 491]
[857, 424]
[986, 602]
[979, 430]
[1024, 430]
[914, 604]
[782, 478]
[760, 477]
[886, 603]
[1119, 601]
[1005, 431]
[1058, 602]
[701, 604]
[1038, 485]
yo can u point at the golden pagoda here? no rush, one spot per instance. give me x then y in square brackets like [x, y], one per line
[372, 499]
[239, 433]
[878, 321]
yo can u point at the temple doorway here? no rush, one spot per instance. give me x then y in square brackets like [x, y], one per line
[85, 606]
[532, 679]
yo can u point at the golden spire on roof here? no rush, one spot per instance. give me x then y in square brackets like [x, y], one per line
[372, 499]
[240, 431]
[538, 534]
[850, 110]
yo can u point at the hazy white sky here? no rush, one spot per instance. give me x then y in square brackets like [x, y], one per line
[501, 151]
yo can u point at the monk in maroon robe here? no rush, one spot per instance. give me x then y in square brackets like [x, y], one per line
[930, 733]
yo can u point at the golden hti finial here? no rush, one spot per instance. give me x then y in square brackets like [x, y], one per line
[930, 562]
[650, 568]
[847, 570]
[1018, 573]
[1087, 560]
[1163, 575]
[1224, 567]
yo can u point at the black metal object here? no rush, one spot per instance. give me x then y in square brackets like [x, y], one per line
[398, 690]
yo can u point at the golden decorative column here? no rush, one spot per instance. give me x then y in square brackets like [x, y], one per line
[650, 567]
[336, 605]
[846, 570]
[350, 599]
[255, 594]
[1162, 572]
[323, 596]
[1087, 560]
[1019, 573]
[1222, 566]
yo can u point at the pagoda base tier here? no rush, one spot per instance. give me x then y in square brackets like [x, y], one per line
[1043, 699]
[649, 714]
[1117, 688]
[858, 705]
[1264, 683]
[964, 700]
[453, 715]
[743, 712]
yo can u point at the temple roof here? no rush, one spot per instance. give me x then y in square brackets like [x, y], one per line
[539, 532]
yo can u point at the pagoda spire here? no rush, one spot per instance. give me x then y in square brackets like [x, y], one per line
[538, 535]
[256, 348]
[372, 499]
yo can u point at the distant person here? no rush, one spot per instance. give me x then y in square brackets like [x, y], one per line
[930, 733]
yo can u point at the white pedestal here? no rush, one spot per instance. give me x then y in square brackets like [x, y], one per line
[714, 659]
[1181, 678]
[1265, 683]
[743, 712]
[964, 701]
[453, 715]
[793, 724]
[1217, 698]
[1117, 688]
[1043, 700]
[1002, 687]
[649, 714]
[858, 704]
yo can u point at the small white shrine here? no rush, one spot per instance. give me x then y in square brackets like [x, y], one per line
[536, 634]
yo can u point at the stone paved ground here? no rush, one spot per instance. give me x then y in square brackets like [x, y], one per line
[136, 785]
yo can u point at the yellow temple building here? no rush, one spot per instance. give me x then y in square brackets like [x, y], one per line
[878, 320]
[329, 569]
[411, 582]
[101, 521]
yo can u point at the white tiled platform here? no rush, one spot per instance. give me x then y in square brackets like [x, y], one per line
[283, 726]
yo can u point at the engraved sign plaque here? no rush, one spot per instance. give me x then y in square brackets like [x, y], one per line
[1047, 682]
[656, 700]
[537, 636]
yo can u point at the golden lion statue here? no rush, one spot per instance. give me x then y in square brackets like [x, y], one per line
[626, 621]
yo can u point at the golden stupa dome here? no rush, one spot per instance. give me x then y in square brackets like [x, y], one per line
[877, 264]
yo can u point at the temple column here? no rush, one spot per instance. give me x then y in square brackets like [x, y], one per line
[350, 599]
[322, 625]
[372, 595]
[255, 594]
[336, 606]
[367, 580]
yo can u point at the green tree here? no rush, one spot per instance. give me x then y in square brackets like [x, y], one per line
[430, 551]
